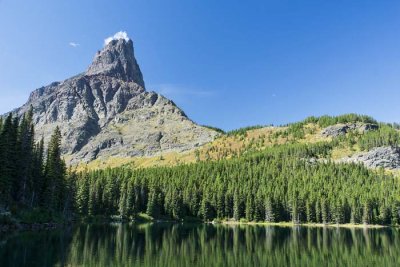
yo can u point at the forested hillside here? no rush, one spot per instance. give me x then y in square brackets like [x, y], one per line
[263, 174]
[280, 184]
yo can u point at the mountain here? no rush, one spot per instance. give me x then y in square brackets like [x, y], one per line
[106, 111]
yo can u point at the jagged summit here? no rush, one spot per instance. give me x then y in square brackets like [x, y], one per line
[106, 111]
[117, 60]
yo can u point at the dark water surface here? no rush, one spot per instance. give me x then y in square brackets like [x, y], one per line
[201, 245]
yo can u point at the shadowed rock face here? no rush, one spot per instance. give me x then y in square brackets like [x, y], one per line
[106, 111]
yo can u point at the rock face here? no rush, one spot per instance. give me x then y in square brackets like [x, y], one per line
[117, 60]
[106, 111]
[342, 129]
[386, 157]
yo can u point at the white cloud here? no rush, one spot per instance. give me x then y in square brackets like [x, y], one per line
[73, 44]
[117, 36]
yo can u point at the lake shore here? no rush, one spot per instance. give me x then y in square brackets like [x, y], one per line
[291, 224]
[51, 226]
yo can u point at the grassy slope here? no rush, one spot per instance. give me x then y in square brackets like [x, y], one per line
[233, 144]
[225, 146]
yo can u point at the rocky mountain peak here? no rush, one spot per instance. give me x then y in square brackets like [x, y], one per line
[117, 60]
[106, 111]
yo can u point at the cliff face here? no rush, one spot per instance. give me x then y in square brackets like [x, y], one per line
[106, 111]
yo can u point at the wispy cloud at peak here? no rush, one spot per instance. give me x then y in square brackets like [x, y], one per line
[117, 36]
[73, 44]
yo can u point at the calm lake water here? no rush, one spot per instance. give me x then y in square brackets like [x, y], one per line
[201, 245]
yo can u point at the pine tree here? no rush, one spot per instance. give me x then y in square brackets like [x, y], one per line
[236, 206]
[384, 214]
[205, 208]
[24, 182]
[324, 212]
[220, 204]
[339, 213]
[14, 154]
[317, 212]
[354, 218]
[366, 218]
[177, 206]
[55, 173]
[153, 207]
[6, 165]
[309, 212]
[82, 194]
[68, 206]
[295, 208]
[249, 211]
[269, 211]
[122, 201]
[131, 202]
[395, 211]
[38, 175]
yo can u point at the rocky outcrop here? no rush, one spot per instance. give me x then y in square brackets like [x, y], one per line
[385, 157]
[106, 111]
[342, 129]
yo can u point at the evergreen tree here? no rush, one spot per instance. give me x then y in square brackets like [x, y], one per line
[309, 212]
[6, 164]
[395, 211]
[236, 206]
[366, 218]
[37, 195]
[318, 212]
[269, 211]
[205, 208]
[249, 212]
[54, 174]
[324, 211]
[153, 207]
[24, 181]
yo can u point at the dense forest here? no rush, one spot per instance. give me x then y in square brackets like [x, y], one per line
[32, 180]
[281, 184]
[290, 182]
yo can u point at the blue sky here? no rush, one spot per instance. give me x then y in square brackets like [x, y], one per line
[225, 63]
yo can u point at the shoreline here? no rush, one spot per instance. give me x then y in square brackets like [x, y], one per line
[52, 226]
[320, 225]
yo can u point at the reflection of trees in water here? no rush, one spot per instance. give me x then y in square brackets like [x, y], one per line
[46, 248]
[203, 245]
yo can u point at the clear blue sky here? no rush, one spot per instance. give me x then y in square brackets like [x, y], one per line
[225, 63]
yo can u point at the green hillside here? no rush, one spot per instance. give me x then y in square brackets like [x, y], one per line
[266, 174]
[292, 173]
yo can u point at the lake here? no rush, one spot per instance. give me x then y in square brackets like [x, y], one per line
[193, 245]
